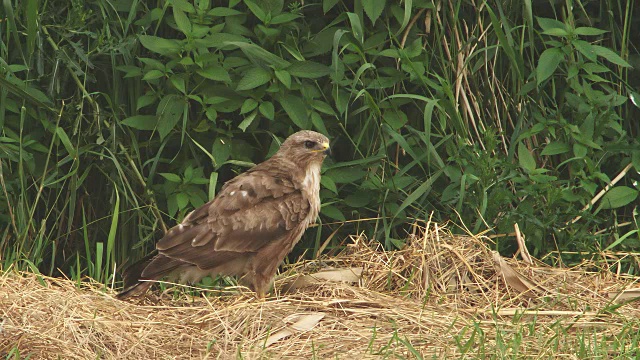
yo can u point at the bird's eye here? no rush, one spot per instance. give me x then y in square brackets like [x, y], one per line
[309, 144]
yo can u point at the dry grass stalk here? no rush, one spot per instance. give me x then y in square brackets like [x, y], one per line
[418, 299]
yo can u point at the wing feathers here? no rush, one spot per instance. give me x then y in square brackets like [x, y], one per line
[250, 226]
[159, 266]
[203, 238]
[178, 235]
[251, 211]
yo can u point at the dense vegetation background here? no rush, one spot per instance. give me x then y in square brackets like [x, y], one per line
[119, 117]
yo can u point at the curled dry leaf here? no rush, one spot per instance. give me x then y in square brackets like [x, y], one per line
[347, 275]
[299, 323]
[514, 279]
[624, 295]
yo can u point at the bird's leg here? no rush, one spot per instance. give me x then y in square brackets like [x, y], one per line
[256, 282]
[261, 284]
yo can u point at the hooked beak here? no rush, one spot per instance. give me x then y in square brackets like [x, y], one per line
[325, 148]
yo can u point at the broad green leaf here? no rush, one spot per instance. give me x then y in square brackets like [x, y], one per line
[160, 45]
[555, 148]
[589, 31]
[145, 100]
[367, 160]
[131, 71]
[392, 53]
[345, 175]
[356, 27]
[248, 105]
[172, 205]
[358, 199]
[259, 55]
[323, 107]
[635, 159]
[256, 10]
[182, 200]
[284, 77]
[579, 151]
[153, 64]
[247, 121]
[293, 51]
[308, 69]
[223, 11]
[267, 110]
[585, 49]
[296, 109]
[332, 212]
[197, 197]
[341, 99]
[283, 18]
[184, 5]
[548, 63]
[395, 118]
[373, 9]
[179, 83]
[327, 183]
[618, 196]
[220, 41]
[543, 178]
[171, 177]
[215, 72]
[14, 68]
[141, 122]
[211, 112]
[572, 71]
[182, 21]
[593, 68]
[170, 111]
[610, 55]
[548, 24]
[221, 151]
[556, 32]
[318, 124]
[152, 75]
[328, 5]
[253, 78]
[525, 158]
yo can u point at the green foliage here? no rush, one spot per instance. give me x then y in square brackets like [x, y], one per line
[118, 118]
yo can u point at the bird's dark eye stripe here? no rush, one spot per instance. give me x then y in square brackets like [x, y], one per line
[309, 144]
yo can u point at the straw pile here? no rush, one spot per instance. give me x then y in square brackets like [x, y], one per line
[429, 299]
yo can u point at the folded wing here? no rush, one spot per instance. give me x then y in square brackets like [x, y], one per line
[252, 211]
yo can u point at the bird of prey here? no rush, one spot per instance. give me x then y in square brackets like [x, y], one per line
[248, 228]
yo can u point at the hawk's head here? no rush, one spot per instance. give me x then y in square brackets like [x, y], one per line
[305, 147]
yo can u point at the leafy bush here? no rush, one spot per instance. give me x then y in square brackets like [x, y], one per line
[120, 117]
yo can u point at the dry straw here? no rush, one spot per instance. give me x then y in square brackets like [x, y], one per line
[421, 301]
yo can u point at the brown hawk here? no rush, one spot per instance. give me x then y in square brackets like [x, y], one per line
[248, 228]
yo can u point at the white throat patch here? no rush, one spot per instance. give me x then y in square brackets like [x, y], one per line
[311, 186]
[312, 178]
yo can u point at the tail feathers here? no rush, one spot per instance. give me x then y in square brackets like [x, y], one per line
[152, 267]
[137, 289]
[131, 277]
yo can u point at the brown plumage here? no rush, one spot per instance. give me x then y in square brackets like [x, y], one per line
[248, 228]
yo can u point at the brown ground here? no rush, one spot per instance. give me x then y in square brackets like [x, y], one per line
[441, 296]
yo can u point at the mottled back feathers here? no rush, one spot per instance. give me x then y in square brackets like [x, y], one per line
[249, 227]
